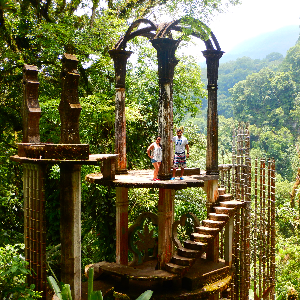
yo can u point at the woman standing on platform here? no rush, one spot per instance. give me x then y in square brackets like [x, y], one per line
[154, 151]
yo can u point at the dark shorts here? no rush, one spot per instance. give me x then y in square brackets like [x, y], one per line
[153, 160]
[179, 160]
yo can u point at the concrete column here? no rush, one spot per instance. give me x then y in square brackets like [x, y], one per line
[166, 64]
[211, 189]
[165, 221]
[228, 242]
[212, 61]
[122, 225]
[70, 179]
[120, 58]
[70, 227]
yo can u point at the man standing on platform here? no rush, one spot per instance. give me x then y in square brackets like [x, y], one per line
[181, 143]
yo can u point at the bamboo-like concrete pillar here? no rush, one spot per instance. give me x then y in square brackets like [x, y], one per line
[31, 111]
[165, 221]
[70, 178]
[122, 225]
[120, 58]
[35, 224]
[212, 61]
[166, 64]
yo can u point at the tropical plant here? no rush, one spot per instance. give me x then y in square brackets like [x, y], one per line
[63, 292]
[13, 272]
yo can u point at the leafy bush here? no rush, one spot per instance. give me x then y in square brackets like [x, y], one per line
[288, 267]
[13, 272]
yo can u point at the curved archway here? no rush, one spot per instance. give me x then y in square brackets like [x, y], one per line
[162, 40]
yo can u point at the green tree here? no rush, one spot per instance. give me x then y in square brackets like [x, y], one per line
[291, 62]
[275, 143]
[258, 98]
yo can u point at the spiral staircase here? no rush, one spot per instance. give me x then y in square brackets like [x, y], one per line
[191, 257]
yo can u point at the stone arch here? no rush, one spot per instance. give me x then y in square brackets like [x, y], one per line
[161, 39]
[163, 30]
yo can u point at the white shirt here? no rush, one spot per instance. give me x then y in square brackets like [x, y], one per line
[156, 152]
[180, 143]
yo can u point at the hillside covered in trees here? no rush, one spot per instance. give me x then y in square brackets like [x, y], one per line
[265, 93]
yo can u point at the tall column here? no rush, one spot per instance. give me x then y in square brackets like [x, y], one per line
[70, 179]
[212, 61]
[166, 64]
[31, 110]
[122, 225]
[120, 58]
[70, 227]
[165, 221]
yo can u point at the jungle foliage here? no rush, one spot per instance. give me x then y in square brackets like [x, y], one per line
[268, 99]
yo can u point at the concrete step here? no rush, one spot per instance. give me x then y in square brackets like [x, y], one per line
[200, 274]
[218, 217]
[207, 230]
[225, 197]
[188, 252]
[213, 224]
[176, 269]
[221, 191]
[232, 204]
[192, 245]
[224, 210]
[181, 260]
[199, 237]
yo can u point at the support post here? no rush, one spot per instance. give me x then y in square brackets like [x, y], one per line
[211, 189]
[212, 61]
[35, 224]
[228, 242]
[122, 225]
[166, 64]
[70, 178]
[165, 221]
[70, 227]
[120, 58]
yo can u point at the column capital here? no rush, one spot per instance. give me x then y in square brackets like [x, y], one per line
[69, 106]
[212, 62]
[166, 58]
[120, 58]
[31, 111]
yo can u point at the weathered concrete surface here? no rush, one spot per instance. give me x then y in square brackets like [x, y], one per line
[31, 111]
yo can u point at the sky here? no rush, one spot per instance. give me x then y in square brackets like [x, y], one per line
[250, 19]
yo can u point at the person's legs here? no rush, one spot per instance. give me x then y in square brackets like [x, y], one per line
[156, 168]
[181, 172]
[174, 167]
[174, 172]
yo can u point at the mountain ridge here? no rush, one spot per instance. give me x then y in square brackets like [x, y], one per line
[259, 47]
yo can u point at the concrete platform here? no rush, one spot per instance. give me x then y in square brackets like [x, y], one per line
[203, 280]
[143, 179]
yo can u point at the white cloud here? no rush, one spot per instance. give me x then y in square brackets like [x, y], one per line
[247, 20]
